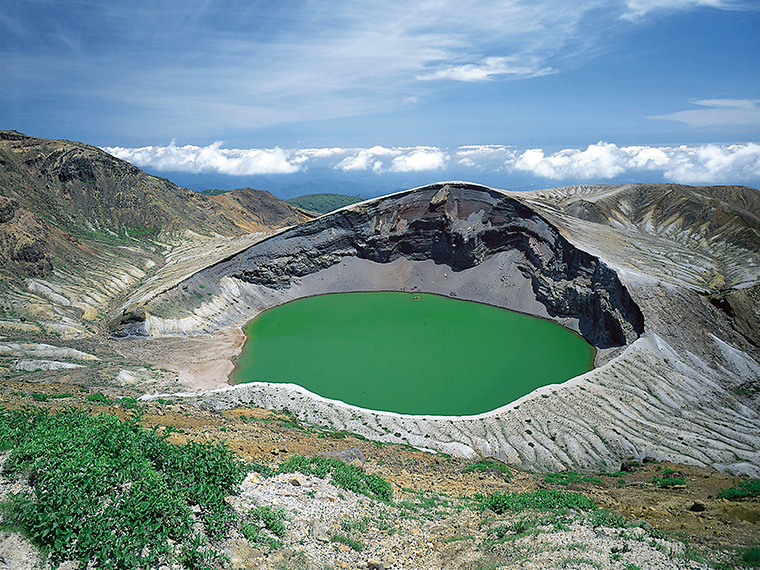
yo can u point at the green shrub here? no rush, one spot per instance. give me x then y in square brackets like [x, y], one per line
[746, 489]
[668, 481]
[751, 557]
[195, 555]
[108, 492]
[488, 465]
[608, 519]
[346, 476]
[129, 403]
[99, 398]
[541, 499]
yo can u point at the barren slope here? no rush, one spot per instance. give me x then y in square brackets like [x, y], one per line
[79, 229]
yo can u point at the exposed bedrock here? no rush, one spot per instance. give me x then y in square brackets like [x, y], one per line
[454, 225]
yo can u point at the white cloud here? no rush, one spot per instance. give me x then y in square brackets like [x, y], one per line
[420, 160]
[211, 158]
[705, 164]
[600, 160]
[490, 68]
[364, 159]
[603, 161]
[484, 156]
[415, 159]
[714, 164]
[719, 112]
[636, 9]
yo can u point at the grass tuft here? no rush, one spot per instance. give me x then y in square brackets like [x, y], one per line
[350, 542]
[265, 526]
[541, 499]
[747, 489]
[484, 465]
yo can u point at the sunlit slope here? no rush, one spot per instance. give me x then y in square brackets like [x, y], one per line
[707, 237]
[81, 229]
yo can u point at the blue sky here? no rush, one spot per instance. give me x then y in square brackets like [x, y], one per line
[383, 94]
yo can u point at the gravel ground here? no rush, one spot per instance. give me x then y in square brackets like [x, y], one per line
[436, 532]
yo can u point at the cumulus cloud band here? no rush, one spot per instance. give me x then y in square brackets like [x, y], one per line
[704, 164]
[602, 161]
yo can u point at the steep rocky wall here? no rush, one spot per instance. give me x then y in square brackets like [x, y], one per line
[455, 225]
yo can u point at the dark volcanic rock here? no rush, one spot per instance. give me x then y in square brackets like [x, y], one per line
[459, 225]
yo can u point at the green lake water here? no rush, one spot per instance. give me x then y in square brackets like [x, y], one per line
[411, 354]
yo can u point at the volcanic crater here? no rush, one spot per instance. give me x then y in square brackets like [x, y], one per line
[644, 399]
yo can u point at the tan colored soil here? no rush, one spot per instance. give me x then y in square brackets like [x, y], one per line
[202, 362]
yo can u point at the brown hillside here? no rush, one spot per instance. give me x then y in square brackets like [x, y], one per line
[62, 200]
[86, 191]
[258, 210]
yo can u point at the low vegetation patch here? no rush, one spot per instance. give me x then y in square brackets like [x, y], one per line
[350, 542]
[423, 505]
[485, 465]
[342, 475]
[100, 399]
[751, 557]
[570, 477]
[665, 482]
[112, 493]
[541, 499]
[265, 527]
[745, 490]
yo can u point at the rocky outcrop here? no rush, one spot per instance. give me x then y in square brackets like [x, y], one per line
[460, 226]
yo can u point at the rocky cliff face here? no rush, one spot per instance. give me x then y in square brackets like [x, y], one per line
[460, 226]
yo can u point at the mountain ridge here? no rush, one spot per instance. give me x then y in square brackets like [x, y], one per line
[78, 193]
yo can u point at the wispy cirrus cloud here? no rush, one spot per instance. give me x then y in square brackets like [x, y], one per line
[636, 9]
[602, 161]
[718, 112]
[491, 68]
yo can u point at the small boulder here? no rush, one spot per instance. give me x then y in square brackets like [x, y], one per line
[350, 455]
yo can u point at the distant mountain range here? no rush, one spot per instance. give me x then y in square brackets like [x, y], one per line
[323, 203]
